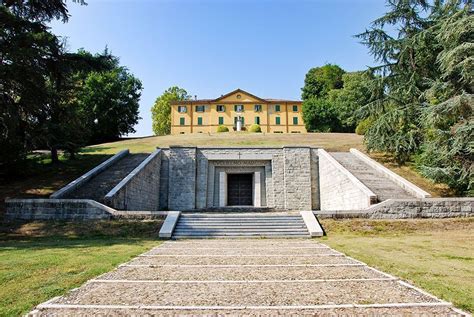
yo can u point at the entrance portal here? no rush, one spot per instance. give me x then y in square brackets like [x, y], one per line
[240, 189]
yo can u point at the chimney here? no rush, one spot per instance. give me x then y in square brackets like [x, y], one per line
[195, 97]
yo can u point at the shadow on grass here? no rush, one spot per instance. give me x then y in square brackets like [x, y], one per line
[79, 234]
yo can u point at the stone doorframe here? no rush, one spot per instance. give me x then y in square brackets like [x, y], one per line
[256, 191]
[217, 184]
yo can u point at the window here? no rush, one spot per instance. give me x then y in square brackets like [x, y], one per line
[182, 109]
[257, 120]
[277, 108]
[181, 121]
[200, 108]
[295, 120]
[258, 108]
[220, 108]
[199, 120]
[277, 120]
[295, 108]
[221, 120]
[238, 108]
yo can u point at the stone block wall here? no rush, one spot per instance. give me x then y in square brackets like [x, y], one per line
[339, 189]
[409, 208]
[182, 178]
[140, 190]
[297, 178]
[56, 209]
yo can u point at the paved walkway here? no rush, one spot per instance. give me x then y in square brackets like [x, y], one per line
[245, 277]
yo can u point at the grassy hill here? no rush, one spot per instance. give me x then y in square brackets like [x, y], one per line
[40, 178]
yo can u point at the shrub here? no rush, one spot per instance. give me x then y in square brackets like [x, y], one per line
[222, 128]
[363, 126]
[255, 128]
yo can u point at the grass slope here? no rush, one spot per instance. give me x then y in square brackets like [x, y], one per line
[434, 254]
[41, 260]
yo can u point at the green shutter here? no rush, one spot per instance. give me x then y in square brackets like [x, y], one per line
[295, 108]
[277, 108]
[235, 108]
[295, 120]
[181, 121]
[257, 120]
[277, 120]
[199, 120]
[221, 120]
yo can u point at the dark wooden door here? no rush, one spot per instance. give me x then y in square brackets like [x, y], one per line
[239, 190]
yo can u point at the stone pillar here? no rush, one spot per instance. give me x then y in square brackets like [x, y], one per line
[222, 189]
[257, 189]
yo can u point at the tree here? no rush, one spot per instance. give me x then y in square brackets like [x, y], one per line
[348, 100]
[320, 80]
[447, 153]
[423, 99]
[319, 115]
[161, 110]
[27, 53]
[109, 101]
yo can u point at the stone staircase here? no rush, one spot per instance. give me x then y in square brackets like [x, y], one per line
[102, 183]
[240, 225]
[380, 185]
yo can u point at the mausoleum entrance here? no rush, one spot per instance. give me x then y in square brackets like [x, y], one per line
[240, 189]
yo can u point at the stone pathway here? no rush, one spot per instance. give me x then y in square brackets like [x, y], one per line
[245, 277]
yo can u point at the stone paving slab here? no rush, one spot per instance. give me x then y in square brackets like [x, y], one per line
[247, 260]
[243, 294]
[242, 251]
[240, 273]
[258, 277]
[386, 311]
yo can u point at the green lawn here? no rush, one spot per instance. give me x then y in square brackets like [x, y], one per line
[436, 255]
[40, 260]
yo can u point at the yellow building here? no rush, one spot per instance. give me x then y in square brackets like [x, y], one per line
[237, 110]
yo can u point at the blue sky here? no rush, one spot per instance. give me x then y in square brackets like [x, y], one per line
[210, 47]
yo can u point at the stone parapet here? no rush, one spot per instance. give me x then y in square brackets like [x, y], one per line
[408, 208]
[139, 190]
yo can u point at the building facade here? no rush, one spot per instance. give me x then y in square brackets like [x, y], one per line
[237, 110]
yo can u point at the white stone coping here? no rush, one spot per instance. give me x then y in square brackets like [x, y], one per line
[314, 228]
[131, 175]
[357, 183]
[87, 176]
[400, 181]
[239, 156]
[168, 226]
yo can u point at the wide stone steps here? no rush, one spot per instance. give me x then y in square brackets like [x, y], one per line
[240, 226]
[102, 183]
[380, 185]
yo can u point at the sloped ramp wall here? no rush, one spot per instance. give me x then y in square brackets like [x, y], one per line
[339, 189]
[140, 190]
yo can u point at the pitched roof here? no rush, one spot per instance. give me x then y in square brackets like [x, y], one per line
[263, 100]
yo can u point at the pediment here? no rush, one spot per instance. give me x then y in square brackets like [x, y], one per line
[239, 95]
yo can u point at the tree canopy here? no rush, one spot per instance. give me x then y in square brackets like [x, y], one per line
[49, 96]
[320, 80]
[422, 93]
[161, 109]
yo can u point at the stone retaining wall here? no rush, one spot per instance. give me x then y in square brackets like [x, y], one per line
[56, 209]
[409, 208]
[140, 189]
[339, 189]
